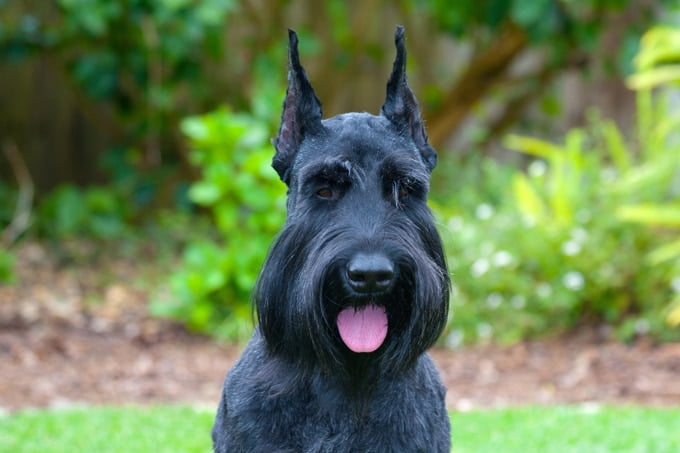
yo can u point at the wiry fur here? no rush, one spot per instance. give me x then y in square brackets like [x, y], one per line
[297, 387]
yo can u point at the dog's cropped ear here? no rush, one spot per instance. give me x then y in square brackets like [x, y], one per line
[401, 107]
[301, 112]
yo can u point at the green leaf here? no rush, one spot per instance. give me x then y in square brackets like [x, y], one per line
[529, 12]
[6, 267]
[214, 279]
[175, 4]
[226, 216]
[662, 215]
[654, 77]
[665, 253]
[70, 210]
[533, 146]
[204, 193]
[528, 200]
[195, 128]
[659, 45]
[105, 226]
[616, 146]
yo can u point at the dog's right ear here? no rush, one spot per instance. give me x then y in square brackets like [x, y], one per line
[301, 112]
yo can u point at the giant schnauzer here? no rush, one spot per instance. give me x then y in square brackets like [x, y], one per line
[353, 292]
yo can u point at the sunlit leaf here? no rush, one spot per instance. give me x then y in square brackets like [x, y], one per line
[673, 317]
[663, 215]
[658, 45]
[533, 146]
[654, 77]
[204, 193]
[528, 200]
[666, 252]
[615, 145]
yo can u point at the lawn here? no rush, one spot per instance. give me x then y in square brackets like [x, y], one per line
[181, 429]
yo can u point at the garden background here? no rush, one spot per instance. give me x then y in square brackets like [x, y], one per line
[137, 203]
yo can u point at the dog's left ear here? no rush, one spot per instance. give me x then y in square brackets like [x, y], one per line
[401, 107]
[301, 112]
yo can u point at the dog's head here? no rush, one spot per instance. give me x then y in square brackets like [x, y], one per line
[358, 270]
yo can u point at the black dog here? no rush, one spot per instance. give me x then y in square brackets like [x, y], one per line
[354, 290]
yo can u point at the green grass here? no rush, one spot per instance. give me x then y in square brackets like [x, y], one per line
[569, 429]
[181, 429]
[107, 429]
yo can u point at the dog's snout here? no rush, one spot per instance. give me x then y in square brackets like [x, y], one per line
[370, 272]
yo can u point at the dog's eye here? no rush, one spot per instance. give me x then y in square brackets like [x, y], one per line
[325, 193]
[403, 191]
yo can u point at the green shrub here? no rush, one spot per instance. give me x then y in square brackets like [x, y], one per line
[96, 212]
[552, 251]
[557, 245]
[142, 57]
[113, 210]
[211, 291]
[658, 64]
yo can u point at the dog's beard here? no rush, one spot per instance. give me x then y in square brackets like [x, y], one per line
[302, 297]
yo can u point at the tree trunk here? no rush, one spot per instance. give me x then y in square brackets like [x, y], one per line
[484, 71]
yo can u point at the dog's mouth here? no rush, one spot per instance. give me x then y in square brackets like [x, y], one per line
[363, 329]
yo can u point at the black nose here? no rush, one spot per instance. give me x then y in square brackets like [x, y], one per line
[370, 272]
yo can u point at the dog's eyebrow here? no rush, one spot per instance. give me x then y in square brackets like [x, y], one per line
[394, 168]
[336, 169]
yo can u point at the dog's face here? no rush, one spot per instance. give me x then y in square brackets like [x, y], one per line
[358, 270]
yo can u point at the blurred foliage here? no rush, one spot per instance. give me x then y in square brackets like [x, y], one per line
[153, 62]
[6, 266]
[211, 291]
[530, 252]
[545, 21]
[553, 247]
[141, 57]
[8, 195]
[658, 63]
[97, 212]
[106, 211]
[498, 83]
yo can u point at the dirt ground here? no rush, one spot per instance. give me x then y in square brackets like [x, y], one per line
[69, 337]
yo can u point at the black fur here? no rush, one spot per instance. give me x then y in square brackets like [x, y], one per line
[357, 189]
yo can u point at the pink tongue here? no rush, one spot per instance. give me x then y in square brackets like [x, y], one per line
[363, 329]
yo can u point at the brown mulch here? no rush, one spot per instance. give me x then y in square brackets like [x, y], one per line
[59, 348]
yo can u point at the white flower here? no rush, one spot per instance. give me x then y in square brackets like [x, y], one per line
[518, 301]
[579, 235]
[455, 339]
[484, 330]
[543, 290]
[484, 211]
[675, 284]
[502, 258]
[608, 175]
[455, 223]
[571, 248]
[537, 169]
[494, 300]
[573, 280]
[480, 267]
[641, 326]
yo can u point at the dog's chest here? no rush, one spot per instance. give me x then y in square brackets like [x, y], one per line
[394, 416]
